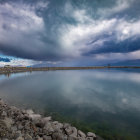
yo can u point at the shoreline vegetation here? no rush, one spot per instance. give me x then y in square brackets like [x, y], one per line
[30, 69]
[20, 124]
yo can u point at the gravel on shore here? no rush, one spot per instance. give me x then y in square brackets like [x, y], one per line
[18, 124]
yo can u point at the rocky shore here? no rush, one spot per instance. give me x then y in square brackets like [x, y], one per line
[17, 124]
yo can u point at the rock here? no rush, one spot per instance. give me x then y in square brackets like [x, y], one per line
[35, 116]
[3, 114]
[28, 137]
[29, 112]
[57, 136]
[39, 123]
[48, 127]
[89, 138]
[20, 138]
[47, 138]
[1, 102]
[16, 124]
[72, 138]
[81, 134]
[90, 134]
[74, 132]
[19, 126]
[14, 128]
[8, 122]
[57, 126]
[13, 108]
[39, 138]
[17, 134]
[81, 138]
[71, 131]
[47, 119]
[65, 125]
[68, 130]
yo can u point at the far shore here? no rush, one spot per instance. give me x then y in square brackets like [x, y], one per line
[11, 69]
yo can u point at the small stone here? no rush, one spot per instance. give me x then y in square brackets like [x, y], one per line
[81, 134]
[74, 132]
[20, 127]
[28, 137]
[20, 138]
[39, 123]
[71, 131]
[17, 134]
[68, 130]
[90, 134]
[72, 138]
[8, 122]
[29, 111]
[65, 125]
[57, 136]
[3, 114]
[46, 119]
[35, 116]
[89, 138]
[47, 138]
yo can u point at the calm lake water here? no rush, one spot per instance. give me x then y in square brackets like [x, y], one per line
[103, 101]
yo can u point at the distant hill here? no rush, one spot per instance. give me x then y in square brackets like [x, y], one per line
[127, 63]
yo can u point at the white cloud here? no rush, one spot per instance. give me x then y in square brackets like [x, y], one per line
[20, 17]
[74, 38]
[125, 29]
[19, 62]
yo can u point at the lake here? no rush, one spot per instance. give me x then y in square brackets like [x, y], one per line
[106, 102]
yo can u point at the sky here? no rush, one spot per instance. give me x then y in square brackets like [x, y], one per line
[68, 32]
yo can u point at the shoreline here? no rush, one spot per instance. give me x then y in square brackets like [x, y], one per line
[11, 69]
[20, 124]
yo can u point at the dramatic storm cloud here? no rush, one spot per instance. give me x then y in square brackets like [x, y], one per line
[70, 31]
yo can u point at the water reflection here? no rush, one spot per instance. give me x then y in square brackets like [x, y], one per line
[7, 74]
[104, 96]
